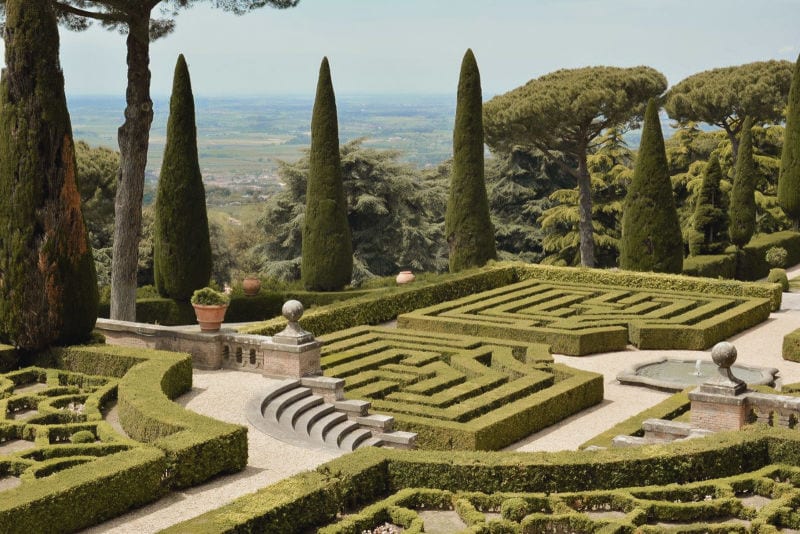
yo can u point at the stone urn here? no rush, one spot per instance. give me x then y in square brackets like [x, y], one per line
[405, 277]
[251, 286]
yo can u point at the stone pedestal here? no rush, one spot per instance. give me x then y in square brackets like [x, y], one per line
[293, 352]
[718, 404]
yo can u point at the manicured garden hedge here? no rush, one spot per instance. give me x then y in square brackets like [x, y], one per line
[8, 358]
[381, 307]
[791, 346]
[458, 392]
[178, 448]
[752, 263]
[579, 318]
[311, 500]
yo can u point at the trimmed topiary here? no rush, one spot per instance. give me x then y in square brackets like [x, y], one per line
[651, 233]
[327, 262]
[777, 256]
[789, 178]
[181, 245]
[469, 230]
[778, 276]
[710, 220]
[82, 436]
[743, 202]
[48, 285]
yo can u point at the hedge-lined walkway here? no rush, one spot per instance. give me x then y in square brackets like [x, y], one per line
[223, 395]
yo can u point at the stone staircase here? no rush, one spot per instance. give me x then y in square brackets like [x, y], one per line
[312, 412]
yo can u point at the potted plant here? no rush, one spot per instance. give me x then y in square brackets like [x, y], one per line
[251, 285]
[209, 306]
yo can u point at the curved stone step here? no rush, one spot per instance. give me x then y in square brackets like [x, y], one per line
[306, 421]
[320, 428]
[291, 413]
[354, 439]
[273, 408]
[337, 433]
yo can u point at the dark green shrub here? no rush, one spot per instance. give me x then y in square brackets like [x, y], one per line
[711, 266]
[49, 289]
[743, 203]
[514, 509]
[777, 256]
[327, 262]
[181, 244]
[789, 178]
[778, 276]
[651, 233]
[468, 228]
[710, 218]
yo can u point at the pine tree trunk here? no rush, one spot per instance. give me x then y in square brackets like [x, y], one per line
[133, 137]
[585, 212]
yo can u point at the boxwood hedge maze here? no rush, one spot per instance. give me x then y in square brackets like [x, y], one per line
[761, 501]
[578, 319]
[458, 391]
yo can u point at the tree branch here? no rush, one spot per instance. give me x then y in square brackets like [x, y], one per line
[552, 157]
[72, 10]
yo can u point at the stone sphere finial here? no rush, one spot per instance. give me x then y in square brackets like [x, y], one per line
[292, 310]
[723, 354]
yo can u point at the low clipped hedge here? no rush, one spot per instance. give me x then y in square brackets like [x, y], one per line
[751, 264]
[791, 346]
[197, 448]
[377, 308]
[547, 313]
[468, 394]
[312, 500]
[8, 358]
[80, 497]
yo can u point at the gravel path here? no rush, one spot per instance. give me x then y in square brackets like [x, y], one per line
[223, 395]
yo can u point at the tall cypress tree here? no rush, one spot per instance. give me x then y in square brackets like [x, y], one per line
[789, 178]
[327, 263]
[743, 202]
[48, 285]
[710, 218]
[651, 233]
[181, 244]
[469, 230]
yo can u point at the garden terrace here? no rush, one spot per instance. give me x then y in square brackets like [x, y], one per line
[578, 319]
[458, 392]
[66, 467]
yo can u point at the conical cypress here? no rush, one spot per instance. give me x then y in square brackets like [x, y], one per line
[789, 179]
[469, 231]
[710, 218]
[327, 263]
[743, 202]
[181, 244]
[48, 286]
[651, 234]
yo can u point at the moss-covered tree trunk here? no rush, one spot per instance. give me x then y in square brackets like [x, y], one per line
[789, 178]
[327, 262]
[651, 233]
[48, 286]
[743, 202]
[181, 244]
[710, 217]
[469, 231]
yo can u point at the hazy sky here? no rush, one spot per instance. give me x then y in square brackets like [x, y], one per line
[415, 46]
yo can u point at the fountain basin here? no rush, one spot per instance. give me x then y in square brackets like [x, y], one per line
[675, 374]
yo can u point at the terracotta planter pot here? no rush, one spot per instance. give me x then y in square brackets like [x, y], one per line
[251, 286]
[405, 277]
[209, 317]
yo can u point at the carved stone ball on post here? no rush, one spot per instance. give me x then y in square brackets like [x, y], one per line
[292, 310]
[293, 334]
[724, 354]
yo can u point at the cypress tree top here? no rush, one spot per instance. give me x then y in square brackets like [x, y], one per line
[789, 180]
[327, 261]
[651, 232]
[743, 202]
[181, 247]
[470, 235]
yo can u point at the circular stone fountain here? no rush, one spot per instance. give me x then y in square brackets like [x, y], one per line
[674, 374]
